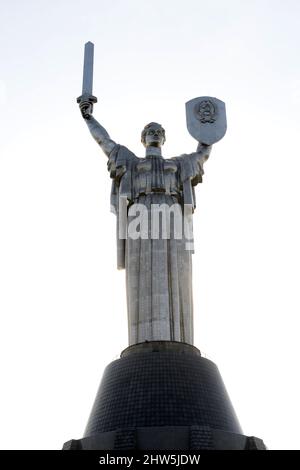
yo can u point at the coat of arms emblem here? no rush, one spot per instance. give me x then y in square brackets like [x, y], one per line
[206, 119]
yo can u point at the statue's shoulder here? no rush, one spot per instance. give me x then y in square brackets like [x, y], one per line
[120, 161]
[191, 166]
[186, 158]
[121, 154]
[179, 159]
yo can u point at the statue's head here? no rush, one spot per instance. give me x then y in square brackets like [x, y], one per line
[153, 134]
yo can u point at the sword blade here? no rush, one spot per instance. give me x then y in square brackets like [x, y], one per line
[87, 82]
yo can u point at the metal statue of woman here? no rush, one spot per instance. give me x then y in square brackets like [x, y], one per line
[158, 265]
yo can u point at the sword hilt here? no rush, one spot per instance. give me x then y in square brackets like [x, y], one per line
[87, 97]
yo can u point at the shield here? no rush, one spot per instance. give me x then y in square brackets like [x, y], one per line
[206, 119]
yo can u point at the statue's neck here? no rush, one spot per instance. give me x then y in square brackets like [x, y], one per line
[153, 151]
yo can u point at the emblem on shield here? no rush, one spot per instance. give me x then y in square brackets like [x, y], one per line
[206, 119]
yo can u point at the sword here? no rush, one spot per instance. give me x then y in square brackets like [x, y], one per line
[87, 82]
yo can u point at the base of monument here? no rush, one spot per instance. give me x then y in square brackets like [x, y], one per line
[179, 438]
[162, 395]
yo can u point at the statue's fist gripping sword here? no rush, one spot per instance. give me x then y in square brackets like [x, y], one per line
[87, 99]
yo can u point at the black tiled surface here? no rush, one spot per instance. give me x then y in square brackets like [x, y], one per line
[162, 389]
[201, 438]
[167, 438]
[125, 439]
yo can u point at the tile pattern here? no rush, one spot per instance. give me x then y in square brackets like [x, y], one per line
[161, 389]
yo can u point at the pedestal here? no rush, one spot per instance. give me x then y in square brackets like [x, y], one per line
[162, 395]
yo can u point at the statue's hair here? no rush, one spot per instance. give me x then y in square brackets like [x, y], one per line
[153, 125]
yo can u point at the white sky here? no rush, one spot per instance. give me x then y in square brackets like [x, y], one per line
[62, 301]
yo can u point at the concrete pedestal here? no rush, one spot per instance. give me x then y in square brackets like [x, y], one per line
[162, 396]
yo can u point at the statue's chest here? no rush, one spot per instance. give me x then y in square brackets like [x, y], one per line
[155, 174]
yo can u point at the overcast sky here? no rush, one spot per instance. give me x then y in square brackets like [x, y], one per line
[62, 301]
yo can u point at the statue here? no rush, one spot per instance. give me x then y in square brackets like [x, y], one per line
[152, 247]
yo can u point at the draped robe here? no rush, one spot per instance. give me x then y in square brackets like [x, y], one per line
[158, 270]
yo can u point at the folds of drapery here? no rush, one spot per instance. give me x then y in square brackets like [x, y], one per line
[159, 281]
[158, 271]
[121, 165]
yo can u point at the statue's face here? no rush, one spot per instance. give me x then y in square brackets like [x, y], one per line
[154, 137]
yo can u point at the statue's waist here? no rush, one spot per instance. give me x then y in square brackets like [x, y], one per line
[158, 191]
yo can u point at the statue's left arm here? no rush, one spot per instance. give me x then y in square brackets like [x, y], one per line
[202, 153]
[191, 171]
[192, 164]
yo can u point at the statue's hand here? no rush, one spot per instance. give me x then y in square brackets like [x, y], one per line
[201, 147]
[86, 108]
